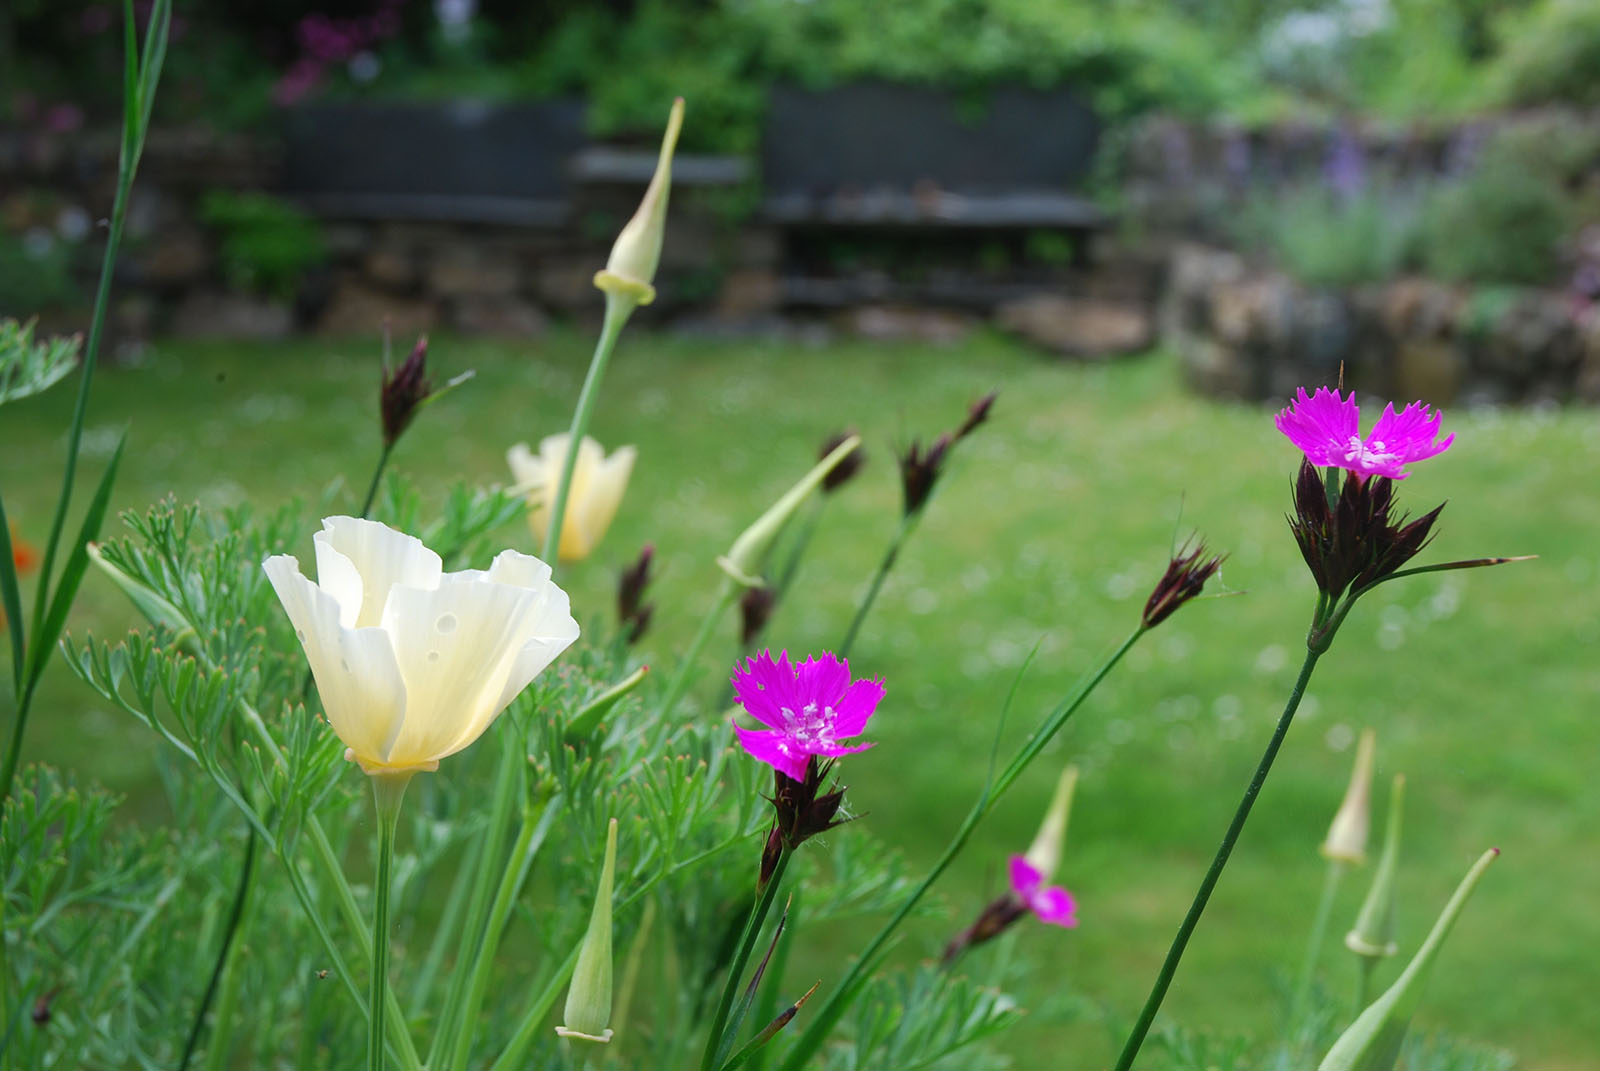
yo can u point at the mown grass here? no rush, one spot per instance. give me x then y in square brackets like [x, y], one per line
[1051, 525]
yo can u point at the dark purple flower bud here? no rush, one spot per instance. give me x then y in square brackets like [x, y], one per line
[919, 471]
[1354, 541]
[41, 1006]
[755, 610]
[1184, 579]
[1000, 915]
[633, 613]
[848, 466]
[403, 392]
[802, 812]
[977, 414]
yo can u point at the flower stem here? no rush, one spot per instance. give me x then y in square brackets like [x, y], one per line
[1364, 983]
[387, 792]
[617, 313]
[717, 1047]
[377, 476]
[1169, 966]
[680, 676]
[845, 991]
[1308, 969]
[907, 523]
[230, 930]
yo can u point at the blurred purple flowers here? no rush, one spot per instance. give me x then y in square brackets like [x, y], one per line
[1327, 429]
[808, 709]
[1052, 903]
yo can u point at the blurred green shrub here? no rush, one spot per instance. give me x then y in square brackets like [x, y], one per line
[1505, 221]
[1327, 239]
[1551, 55]
[266, 244]
[35, 273]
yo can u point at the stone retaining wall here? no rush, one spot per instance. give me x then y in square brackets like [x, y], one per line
[1252, 333]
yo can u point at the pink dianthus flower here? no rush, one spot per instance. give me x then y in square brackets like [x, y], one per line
[1327, 428]
[808, 709]
[1052, 904]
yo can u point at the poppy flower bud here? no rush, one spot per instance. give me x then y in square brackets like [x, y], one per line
[630, 273]
[1347, 836]
[1373, 935]
[1372, 1043]
[588, 1012]
[745, 558]
[1044, 855]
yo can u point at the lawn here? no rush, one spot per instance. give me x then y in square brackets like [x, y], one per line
[1049, 529]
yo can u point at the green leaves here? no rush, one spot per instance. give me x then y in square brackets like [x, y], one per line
[28, 367]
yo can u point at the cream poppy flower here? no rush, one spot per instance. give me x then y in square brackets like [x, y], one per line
[598, 482]
[414, 663]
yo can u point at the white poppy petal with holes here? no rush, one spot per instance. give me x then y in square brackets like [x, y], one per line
[413, 663]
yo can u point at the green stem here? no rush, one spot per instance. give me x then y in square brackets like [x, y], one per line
[387, 792]
[1169, 966]
[377, 477]
[535, 825]
[444, 934]
[718, 1047]
[512, 762]
[1308, 970]
[235, 913]
[1364, 982]
[844, 992]
[907, 523]
[680, 676]
[617, 312]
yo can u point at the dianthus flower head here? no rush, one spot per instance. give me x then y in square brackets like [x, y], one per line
[808, 709]
[1327, 428]
[1051, 903]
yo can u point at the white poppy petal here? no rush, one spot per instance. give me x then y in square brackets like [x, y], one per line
[527, 468]
[357, 676]
[381, 558]
[603, 494]
[456, 644]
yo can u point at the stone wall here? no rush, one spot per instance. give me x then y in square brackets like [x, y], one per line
[1253, 333]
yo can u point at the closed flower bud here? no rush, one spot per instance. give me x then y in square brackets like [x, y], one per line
[1372, 1043]
[630, 272]
[588, 1012]
[1373, 935]
[1044, 855]
[633, 613]
[1347, 836]
[403, 391]
[1186, 576]
[755, 610]
[745, 558]
[845, 470]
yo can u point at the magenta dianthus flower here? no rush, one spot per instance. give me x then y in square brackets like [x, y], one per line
[807, 707]
[1052, 904]
[1328, 429]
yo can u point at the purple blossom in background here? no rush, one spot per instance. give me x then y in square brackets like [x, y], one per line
[1345, 170]
[808, 709]
[325, 42]
[1328, 430]
[1052, 903]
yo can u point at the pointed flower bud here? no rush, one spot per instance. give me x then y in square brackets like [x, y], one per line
[744, 559]
[588, 1013]
[1347, 836]
[404, 390]
[1184, 579]
[1372, 1043]
[1373, 935]
[1044, 855]
[755, 610]
[630, 273]
[845, 470]
[633, 613]
[920, 468]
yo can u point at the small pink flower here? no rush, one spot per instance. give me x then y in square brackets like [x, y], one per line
[1328, 429]
[808, 708]
[1052, 904]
